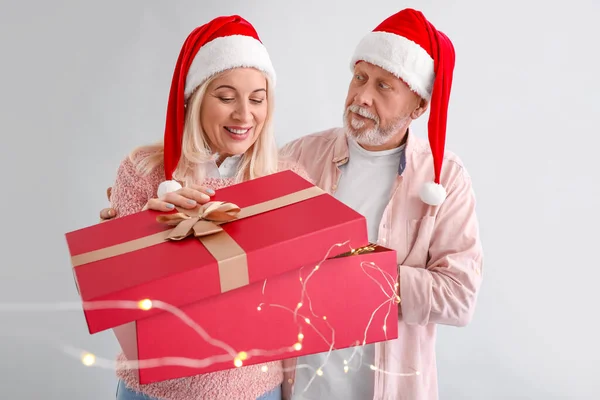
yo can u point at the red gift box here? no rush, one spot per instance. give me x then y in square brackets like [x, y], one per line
[338, 303]
[285, 222]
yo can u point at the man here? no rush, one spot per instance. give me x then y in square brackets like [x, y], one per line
[417, 198]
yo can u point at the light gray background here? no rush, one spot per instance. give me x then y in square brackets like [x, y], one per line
[84, 82]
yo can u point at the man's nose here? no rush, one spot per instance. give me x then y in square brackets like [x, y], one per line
[364, 97]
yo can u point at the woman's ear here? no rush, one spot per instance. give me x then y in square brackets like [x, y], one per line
[420, 110]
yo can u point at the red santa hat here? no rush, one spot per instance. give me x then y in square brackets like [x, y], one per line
[221, 44]
[410, 47]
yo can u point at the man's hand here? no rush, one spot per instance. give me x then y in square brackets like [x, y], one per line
[107, 213]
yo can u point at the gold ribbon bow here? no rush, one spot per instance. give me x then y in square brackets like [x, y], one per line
[202, 221]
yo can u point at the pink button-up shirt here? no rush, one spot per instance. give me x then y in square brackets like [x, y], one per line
[439, 258]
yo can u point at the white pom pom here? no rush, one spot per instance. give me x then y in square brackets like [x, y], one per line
[433, 194]
[166, 187]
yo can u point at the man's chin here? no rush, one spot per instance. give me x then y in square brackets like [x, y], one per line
[358, 135]
[367, 138]
[355, 133]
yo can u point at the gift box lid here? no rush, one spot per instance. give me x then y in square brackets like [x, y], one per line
[285, 223]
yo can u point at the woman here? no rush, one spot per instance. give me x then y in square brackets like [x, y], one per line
[218, 132]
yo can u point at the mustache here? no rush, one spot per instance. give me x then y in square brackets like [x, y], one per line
[363, 112]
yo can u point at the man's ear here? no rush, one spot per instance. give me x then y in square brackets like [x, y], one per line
[420, 110]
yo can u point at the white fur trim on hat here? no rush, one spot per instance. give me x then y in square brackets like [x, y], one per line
[167, 187]
[433, 194]
[400, 56]
[225, 53]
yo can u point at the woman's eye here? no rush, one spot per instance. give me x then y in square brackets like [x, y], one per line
[257, 101]
[226, 99]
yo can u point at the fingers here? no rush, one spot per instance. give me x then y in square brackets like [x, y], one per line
[186, 198]
[108, 193]
[158, 205]
[178, 200]
[203, 189]
[107, 213]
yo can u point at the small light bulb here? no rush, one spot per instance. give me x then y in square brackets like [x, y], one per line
[316, 267]
[299, 305]
[346, 362]
[264, 368]
[237, 362]
[307, 320]
[385, 328]
[324, 318]
[345, 369]
[374, 368]
[88, 359]
[320, 372]
[242, 355]
[417, 373]
[258, 308]
[145, 304]
[300, 336]
[298, 346]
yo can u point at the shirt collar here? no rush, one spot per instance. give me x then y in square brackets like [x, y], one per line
[227, 169]
[341, 153]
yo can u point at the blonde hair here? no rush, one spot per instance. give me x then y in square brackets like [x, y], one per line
[259, 160]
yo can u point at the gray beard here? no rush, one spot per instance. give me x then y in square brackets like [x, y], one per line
[376, 136]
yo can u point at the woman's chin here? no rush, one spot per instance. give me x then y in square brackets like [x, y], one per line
[236, 149]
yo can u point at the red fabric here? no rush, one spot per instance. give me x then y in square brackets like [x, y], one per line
[218, 27]
[413, 25]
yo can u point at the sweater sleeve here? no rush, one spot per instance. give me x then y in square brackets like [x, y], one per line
[445, 292]
[131, 191]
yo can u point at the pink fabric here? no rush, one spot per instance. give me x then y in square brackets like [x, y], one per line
[440, 258]
[129, 195]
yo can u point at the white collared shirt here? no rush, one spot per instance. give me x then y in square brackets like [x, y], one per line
[227, 169]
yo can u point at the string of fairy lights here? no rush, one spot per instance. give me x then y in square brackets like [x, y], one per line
[89, 359]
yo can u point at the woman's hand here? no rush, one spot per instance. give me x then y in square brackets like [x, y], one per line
[187, 197]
